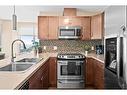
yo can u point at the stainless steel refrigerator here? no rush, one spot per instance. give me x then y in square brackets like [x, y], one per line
[116, 60]
[115, 47]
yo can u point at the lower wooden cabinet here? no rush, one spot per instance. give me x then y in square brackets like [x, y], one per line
[39, 80]
[89, 72]
[53, 72]
[94, 74]
[98, 75]
[45, 76]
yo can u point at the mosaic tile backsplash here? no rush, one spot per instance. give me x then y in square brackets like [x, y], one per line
[67, 45]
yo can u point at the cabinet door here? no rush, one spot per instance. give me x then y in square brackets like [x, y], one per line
[45, 80]
[70, 11]
[98, 74]
[52, 72]
[70, 21]
[97, 26]
[43, 27]
[76, 21]
[86, 28]
[39, 80]
[45, 75]
[35, 80]
[53, 27]
[89, 72]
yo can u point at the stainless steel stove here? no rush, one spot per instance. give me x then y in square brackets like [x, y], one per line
[70, 70]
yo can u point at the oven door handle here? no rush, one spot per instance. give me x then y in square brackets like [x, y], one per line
[68, 81]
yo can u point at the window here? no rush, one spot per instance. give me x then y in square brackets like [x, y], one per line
[28, 33]
[28, 39]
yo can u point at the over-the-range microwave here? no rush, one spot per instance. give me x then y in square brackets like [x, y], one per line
[69, 32]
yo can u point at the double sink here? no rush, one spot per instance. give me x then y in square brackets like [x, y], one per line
[21, 65]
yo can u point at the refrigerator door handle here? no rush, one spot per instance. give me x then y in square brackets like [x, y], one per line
[118, 55]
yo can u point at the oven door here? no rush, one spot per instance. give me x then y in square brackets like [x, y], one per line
[70, 69]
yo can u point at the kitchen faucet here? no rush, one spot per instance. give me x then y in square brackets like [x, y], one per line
[12, 49]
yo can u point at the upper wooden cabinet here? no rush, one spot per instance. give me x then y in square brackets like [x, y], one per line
[97, 26]
[47, 27]
[92, 27]
[86, 29]
[43, 27]
[70, 12]
[70, 21]
[53, 27]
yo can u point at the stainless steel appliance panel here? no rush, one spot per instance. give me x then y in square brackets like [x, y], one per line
[70, 69]
[69, 32]
[70, 84]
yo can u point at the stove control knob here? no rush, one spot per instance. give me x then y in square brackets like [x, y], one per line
[59, 56]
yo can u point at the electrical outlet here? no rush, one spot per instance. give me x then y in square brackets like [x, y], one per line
[44, 47]
[92, 48]
[54, 47]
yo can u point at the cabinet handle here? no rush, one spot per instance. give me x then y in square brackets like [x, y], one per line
[42, 78]
[82, 36]
[91, 34]
[86, 60]
[55, 61]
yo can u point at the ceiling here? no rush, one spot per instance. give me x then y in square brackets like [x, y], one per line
[30, 13]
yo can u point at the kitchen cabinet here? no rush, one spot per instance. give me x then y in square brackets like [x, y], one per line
[70, 21]
[39, 80]
[45, 75]
[70, 11]
[53, 27]
[43, 27]
[52, 72]
[98, 74]
[89, 72]
[97, 26]
[47, 27]
[35, 81]
[86, 28]
[94, 73]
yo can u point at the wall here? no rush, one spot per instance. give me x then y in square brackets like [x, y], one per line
[0, 32]
[114, 18]
[67, 45]
[30, 27]
[8, 35]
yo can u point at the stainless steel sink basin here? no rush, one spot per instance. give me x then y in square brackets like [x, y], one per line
[21, 65]
[33, 60]
[16, 67]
